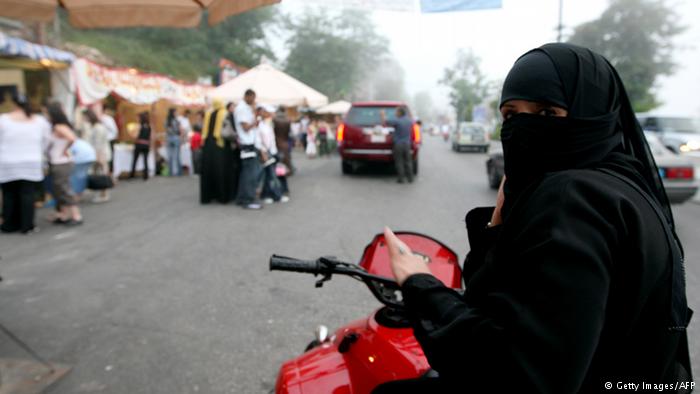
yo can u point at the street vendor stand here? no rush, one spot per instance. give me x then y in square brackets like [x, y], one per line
[137, 92]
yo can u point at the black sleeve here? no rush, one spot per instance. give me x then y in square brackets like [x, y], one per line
[538, 320]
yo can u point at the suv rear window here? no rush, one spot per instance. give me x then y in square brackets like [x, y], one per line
[369, 116]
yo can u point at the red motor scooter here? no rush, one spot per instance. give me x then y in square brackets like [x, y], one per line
[373, 350]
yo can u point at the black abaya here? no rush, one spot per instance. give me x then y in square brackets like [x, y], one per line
[580, 285]
[219, 172]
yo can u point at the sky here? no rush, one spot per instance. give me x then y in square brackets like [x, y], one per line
[424, 44]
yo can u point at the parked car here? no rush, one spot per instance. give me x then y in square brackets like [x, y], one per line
[677, 172]
[362, 137]
[680, 134]
[472, 136]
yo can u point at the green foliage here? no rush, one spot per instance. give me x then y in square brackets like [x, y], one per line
[466, 83]
[636, 37]
[183, 53]
[333, 53]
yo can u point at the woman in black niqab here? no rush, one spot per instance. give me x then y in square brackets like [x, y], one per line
[600, 128]
[576, 279]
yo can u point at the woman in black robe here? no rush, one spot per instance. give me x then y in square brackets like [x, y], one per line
[218, 179]
[574, 281]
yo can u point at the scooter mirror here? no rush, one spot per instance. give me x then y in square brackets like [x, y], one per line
[321, 333]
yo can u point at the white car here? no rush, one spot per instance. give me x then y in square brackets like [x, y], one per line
[681, 134]
[677, 172]
[471, 136]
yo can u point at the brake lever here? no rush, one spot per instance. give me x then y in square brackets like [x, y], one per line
[328, 264]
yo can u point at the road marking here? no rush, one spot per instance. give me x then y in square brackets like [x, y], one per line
[64, 235]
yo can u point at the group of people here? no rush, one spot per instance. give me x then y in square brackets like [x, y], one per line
[314, 135]
[246, 154]
[42, 152]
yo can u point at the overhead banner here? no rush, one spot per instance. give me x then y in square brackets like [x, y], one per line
[368, 5]
[429, 6]
[95, 82]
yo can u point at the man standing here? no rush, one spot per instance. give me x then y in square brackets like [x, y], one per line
[403, 126]
[246, 126]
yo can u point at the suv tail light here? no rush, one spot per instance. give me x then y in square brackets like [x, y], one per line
[416, 133]
[680, 173]
[341, 132]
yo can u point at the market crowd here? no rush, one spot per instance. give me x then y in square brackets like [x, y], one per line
[246, 153]
[242, 152]
[43, 153]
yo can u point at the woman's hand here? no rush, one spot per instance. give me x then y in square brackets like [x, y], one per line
[496, 218]
[403, 262]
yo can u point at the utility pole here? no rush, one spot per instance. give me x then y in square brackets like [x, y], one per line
[560, 27]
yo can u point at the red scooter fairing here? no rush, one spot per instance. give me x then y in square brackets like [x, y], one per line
[440, 258]
[367, 352]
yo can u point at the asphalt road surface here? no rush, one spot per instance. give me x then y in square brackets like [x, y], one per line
[157, 294]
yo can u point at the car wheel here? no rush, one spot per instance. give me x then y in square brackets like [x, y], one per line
[415, 166]
[494, 180]
[454, 147]
[347, 167]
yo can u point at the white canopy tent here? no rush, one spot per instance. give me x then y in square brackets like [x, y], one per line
[271, 86]
[340, 107]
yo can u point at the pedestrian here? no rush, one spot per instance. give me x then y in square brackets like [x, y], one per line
[403, 158]
[61, 167]
[217, 180]
[83, 160]
[196, 147]
[575, 279]
[311, 132]
[106, 116]
[283, 136]
[23, 138]
[186, 131]
[304, 130]
[174, 136]
[323, 130]
[246, 124]
[232, 142]
[95, 132]
[272, 188]
[143, 144]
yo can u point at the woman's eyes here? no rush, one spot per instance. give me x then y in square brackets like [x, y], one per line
[542, 112]
[547, 112]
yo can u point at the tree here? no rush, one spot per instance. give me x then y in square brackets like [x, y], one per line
[183, 53]
[333, 53]
[466, 83]
[636, 37]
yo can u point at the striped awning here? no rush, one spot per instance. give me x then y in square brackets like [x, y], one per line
[17, 47]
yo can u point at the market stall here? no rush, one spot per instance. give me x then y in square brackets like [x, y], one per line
[37, 71]
[271, 87]
[137, 92]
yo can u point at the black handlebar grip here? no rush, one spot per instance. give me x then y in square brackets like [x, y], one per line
[281, 263]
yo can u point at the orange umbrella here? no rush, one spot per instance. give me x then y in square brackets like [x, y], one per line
[129, 13]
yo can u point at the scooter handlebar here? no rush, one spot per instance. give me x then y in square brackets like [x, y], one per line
[281, 263]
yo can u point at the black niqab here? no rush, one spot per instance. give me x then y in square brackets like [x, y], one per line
[600, 120]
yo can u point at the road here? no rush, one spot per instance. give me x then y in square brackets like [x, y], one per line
[157, 294]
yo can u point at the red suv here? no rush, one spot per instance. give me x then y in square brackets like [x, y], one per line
[363, 138]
